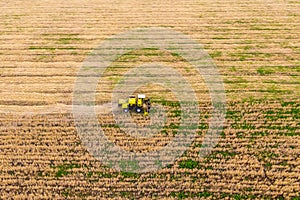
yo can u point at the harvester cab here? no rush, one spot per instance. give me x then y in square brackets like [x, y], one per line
[138, 104]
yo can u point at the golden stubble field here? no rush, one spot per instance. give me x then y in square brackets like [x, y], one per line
[255, 46]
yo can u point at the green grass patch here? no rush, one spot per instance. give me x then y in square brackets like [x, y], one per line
[128, 56]
[128, 165]
[188, 164]
[130, 175]
[234, 114]
[240, 196]
[233, 69]
[177, 55]
[220, 155]
[173, 126]
[243, 125]
[64, 169]
[203, 125]
[264, 71]
[237, 79]
[295, 198]
[279, 113]
[176, 113]
[290, 103]
[127, 194]
[42, 48]
[167, 103]
[68, 40]
[216, 54]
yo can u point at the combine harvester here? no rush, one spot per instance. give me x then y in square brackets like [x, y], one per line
[138, 104]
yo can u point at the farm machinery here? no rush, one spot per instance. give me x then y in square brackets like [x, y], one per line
[136, 103]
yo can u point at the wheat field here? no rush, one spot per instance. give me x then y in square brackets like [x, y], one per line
[255, 46]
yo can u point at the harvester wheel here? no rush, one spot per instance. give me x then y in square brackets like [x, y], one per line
[138, 110]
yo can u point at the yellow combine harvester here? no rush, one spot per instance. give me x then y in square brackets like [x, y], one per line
[139, 104]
